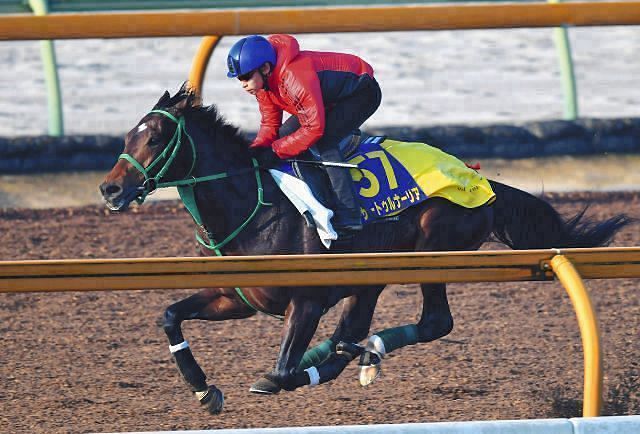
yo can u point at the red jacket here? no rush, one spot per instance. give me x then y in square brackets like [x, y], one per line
[303, 83]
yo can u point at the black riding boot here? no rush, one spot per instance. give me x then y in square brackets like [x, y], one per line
[346, 208]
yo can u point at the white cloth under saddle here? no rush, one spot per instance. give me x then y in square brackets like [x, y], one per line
[302, 198]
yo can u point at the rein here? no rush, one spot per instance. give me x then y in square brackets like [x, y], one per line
[187, 185]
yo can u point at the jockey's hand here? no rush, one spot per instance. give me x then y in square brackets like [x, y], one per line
[265, 156]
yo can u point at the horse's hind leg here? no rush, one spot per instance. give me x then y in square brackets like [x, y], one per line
[211, 304]
[445, 227]
[436, 320]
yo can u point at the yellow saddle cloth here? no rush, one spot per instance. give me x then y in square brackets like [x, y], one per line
[393, 176]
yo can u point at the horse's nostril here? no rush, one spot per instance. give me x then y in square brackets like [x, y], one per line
[111, 190]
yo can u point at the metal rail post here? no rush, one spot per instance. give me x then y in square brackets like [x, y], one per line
[588, 323]
[563, 48]
[48, 54]
[201, 61]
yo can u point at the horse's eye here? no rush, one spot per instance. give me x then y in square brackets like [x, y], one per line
[153, 141]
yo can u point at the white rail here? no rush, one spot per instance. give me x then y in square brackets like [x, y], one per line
[578, 425]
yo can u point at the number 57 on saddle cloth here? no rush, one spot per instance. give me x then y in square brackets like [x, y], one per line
[393, 176]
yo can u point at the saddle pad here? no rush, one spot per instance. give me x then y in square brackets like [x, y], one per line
[393, 176]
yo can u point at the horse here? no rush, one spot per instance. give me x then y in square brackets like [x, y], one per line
[183, 143]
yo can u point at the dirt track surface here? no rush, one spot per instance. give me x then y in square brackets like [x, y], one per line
[98, 362]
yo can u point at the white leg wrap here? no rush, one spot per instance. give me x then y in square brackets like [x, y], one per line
[375, 344]
[178, 347]
[314, 376]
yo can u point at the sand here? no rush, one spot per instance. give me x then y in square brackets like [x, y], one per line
[99, 362]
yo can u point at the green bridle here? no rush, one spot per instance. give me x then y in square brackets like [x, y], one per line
[169, 154]
[186, 187]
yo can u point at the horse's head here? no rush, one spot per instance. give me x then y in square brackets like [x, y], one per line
[158, 149]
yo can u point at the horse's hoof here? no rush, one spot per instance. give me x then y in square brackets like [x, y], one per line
[212, 399]
[266, 386]
[370, 367]
[368, 374]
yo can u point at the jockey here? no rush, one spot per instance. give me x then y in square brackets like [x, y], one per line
[328, 95]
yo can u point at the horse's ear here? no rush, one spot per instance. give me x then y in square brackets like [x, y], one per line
[164, 99]
[189, 100]
[185, 88]
[195, 99]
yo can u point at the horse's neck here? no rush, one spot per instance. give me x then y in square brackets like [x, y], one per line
[224, 205]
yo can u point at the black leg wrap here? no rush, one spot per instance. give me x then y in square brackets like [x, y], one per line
[191, 373]
[332, 367]
[294, 380]
[300, 379]
[272, 383]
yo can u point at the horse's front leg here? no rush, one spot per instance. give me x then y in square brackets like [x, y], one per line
[215, 304]
[301, 321]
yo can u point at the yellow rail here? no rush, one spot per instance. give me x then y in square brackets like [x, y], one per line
[314, 270]
[201, 61]
[350, 269]
[317, 19]
[588, 323]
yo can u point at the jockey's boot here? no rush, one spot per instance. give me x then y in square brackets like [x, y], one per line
[346, 208]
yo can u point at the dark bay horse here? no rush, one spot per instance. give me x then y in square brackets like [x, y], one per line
[239, 210]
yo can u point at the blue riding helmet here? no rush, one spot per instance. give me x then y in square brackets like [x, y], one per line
[248, 54]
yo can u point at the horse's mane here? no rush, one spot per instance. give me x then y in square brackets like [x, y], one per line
[211, 122]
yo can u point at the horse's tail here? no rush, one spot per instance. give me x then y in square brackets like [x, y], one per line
[524, 221]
